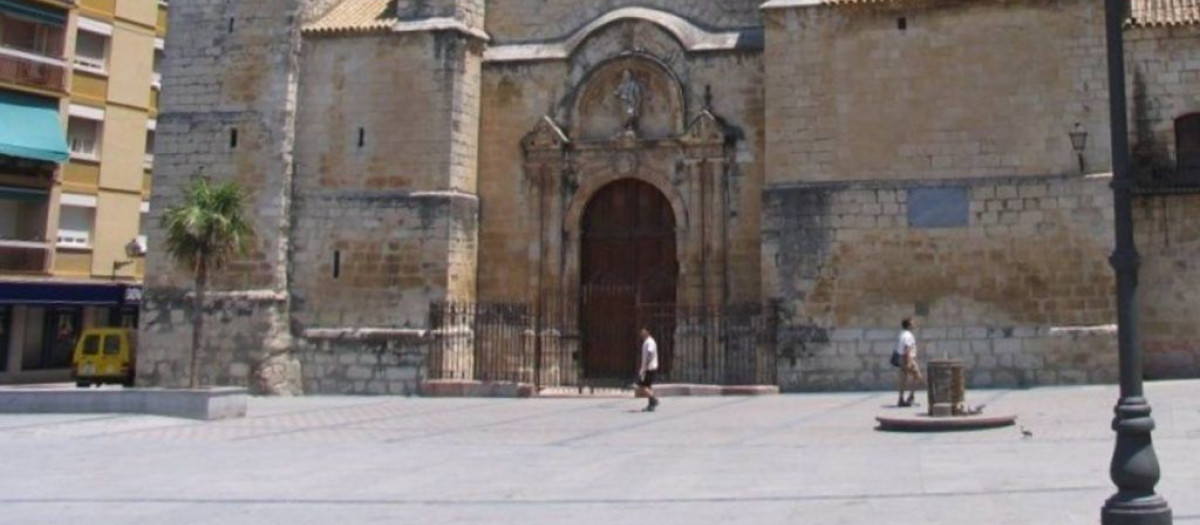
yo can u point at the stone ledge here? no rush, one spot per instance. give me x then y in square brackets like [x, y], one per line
[205, 404]
[465, 388]
[365, 334]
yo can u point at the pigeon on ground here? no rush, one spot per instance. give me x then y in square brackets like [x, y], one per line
[1026, 433]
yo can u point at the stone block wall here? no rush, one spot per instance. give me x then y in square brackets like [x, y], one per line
[235, 324]
[228, 107]
[1168, 239]
[410, 126]
[378, 364]
[903, 90]
[994, 357]
[1019, 287]
[394, 254]
[385, 218]
[1164, 71]
[1164, 84]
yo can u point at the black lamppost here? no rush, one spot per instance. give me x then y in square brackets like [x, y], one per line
[1134, 467]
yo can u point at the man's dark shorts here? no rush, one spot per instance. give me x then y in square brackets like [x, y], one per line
[648, 380]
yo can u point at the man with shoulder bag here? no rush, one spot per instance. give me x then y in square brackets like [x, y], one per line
[904, 358]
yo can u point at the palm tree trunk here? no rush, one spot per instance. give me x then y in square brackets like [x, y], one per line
[198, 319]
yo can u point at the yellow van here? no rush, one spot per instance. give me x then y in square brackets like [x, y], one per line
[104, 355]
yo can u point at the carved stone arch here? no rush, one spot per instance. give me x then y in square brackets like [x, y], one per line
[572, 224]
[689, 35]
[593, 111]
[572, 220]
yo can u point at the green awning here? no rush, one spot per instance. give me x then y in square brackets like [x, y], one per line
[36, 13]
[30, 128]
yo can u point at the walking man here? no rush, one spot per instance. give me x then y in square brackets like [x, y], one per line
[648, 368]
[906, 352]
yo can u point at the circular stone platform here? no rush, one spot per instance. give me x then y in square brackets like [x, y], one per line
[923, 423]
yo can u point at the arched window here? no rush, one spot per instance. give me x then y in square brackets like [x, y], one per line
[1187, 147]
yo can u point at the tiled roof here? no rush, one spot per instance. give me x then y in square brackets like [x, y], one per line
[1164, 12]
[356, 16]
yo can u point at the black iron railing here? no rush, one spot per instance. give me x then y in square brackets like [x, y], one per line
[548, 346]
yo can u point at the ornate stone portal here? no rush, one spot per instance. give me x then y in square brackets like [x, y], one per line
[628, 122]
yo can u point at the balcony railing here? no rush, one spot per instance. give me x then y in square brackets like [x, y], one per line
[32, 70]
[22, 256]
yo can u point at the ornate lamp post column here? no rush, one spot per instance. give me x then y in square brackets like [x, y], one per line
[1134, 467]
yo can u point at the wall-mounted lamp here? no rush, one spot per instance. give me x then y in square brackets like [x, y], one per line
[132, 249]
[1079, 138]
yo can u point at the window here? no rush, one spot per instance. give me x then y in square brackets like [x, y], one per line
[1187, 147]
[9, 215]
[84, 138]
[112, 344]
[91, 51]
[143, 218]
[91, 345]
[75, 227]
[24, 34]
[156, 79]
[149, 160]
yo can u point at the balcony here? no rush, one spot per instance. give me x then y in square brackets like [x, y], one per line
[22, 256]
[32, 70]
[23, 246]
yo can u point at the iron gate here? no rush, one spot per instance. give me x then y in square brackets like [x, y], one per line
[507, 342]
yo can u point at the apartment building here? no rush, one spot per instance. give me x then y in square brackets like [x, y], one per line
[79, 93]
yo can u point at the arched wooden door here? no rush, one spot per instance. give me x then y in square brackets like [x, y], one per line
[629, 273]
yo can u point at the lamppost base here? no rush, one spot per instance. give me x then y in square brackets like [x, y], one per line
[1148, 510]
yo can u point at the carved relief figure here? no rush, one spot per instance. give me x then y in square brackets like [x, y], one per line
[629, 92]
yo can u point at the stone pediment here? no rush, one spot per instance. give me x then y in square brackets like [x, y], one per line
[706, 128]
[546, 135]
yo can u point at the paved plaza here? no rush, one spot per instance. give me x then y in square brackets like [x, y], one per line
[811, 458]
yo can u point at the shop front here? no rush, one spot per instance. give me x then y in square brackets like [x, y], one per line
[40, 322]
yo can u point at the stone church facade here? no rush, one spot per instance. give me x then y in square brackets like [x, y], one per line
[832, 166]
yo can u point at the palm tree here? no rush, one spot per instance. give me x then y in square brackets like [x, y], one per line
[204, 231]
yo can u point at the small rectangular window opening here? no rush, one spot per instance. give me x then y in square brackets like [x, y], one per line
[233, 138]
[902, 23]
[337, 264]
[231, 19]
[362, 137]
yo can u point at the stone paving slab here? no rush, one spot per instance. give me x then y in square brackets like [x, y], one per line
[777, 459]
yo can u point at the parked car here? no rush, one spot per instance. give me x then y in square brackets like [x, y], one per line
[104, 355]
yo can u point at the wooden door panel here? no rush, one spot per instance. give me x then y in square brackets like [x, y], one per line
[628, 261]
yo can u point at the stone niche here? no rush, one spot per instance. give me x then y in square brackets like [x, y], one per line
[598, 110]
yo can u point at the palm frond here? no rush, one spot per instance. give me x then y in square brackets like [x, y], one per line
[208, 224]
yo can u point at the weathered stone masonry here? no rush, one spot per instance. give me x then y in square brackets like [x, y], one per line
[1019, 289]
[852, 163]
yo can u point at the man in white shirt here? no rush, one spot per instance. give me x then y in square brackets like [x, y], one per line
[648, 368]
[906, 352]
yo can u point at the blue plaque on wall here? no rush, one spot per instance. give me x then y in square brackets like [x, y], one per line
[938, 207]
